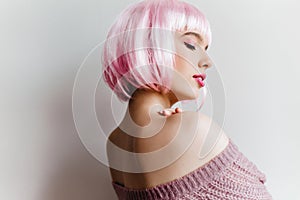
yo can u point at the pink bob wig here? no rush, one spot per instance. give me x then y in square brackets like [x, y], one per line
[139, 49]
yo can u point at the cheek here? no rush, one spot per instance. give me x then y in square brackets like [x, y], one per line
[182, 87]
[182, 82]
[186, 56]
[183, 67]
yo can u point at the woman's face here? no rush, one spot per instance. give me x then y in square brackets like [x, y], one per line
[191, 60]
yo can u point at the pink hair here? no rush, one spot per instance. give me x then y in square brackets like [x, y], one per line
[134, 53]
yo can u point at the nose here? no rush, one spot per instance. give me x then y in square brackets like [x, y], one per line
[205, 61]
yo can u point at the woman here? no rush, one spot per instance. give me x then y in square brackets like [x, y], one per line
[154, 56]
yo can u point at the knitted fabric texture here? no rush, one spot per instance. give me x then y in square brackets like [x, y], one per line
[229, 176]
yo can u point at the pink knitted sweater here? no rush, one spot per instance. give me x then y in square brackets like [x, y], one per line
[229, 176]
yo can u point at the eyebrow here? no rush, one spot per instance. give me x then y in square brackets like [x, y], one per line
[198, 36]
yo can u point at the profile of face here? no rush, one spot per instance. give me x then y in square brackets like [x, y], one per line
[136, 53]
[191, 61]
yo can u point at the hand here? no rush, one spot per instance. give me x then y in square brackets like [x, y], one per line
[168, 112]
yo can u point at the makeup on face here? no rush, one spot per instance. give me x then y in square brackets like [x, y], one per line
[197, 41]
[199, 78]
[190, 44]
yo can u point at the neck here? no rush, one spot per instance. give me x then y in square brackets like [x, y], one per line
[145, 103]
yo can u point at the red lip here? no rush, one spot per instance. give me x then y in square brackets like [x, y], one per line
[202, 76]
[200, 82]
[200, 79]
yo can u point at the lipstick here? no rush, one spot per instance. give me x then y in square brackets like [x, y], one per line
[203, 76]
[200, 79]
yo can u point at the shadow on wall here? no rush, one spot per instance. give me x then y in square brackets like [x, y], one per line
[78, 181]
[73, 173]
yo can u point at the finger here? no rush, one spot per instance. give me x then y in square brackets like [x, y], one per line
[165, 112]
[178, 110]
[169, 111]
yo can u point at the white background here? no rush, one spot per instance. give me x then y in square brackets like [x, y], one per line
[255, 46]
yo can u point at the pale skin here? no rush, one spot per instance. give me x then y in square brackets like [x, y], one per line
[143, 111]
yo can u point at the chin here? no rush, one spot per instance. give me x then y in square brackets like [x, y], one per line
[190, 96]
[186, 92]
[194, 94]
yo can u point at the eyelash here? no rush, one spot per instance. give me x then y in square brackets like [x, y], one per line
[190, 46]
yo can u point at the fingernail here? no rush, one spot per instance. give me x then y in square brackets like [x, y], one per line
[178, 110]
[167, 112]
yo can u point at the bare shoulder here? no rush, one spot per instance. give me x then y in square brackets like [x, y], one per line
[201, 123]
[187, 123]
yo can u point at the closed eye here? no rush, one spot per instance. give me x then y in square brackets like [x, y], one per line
[189, 46]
